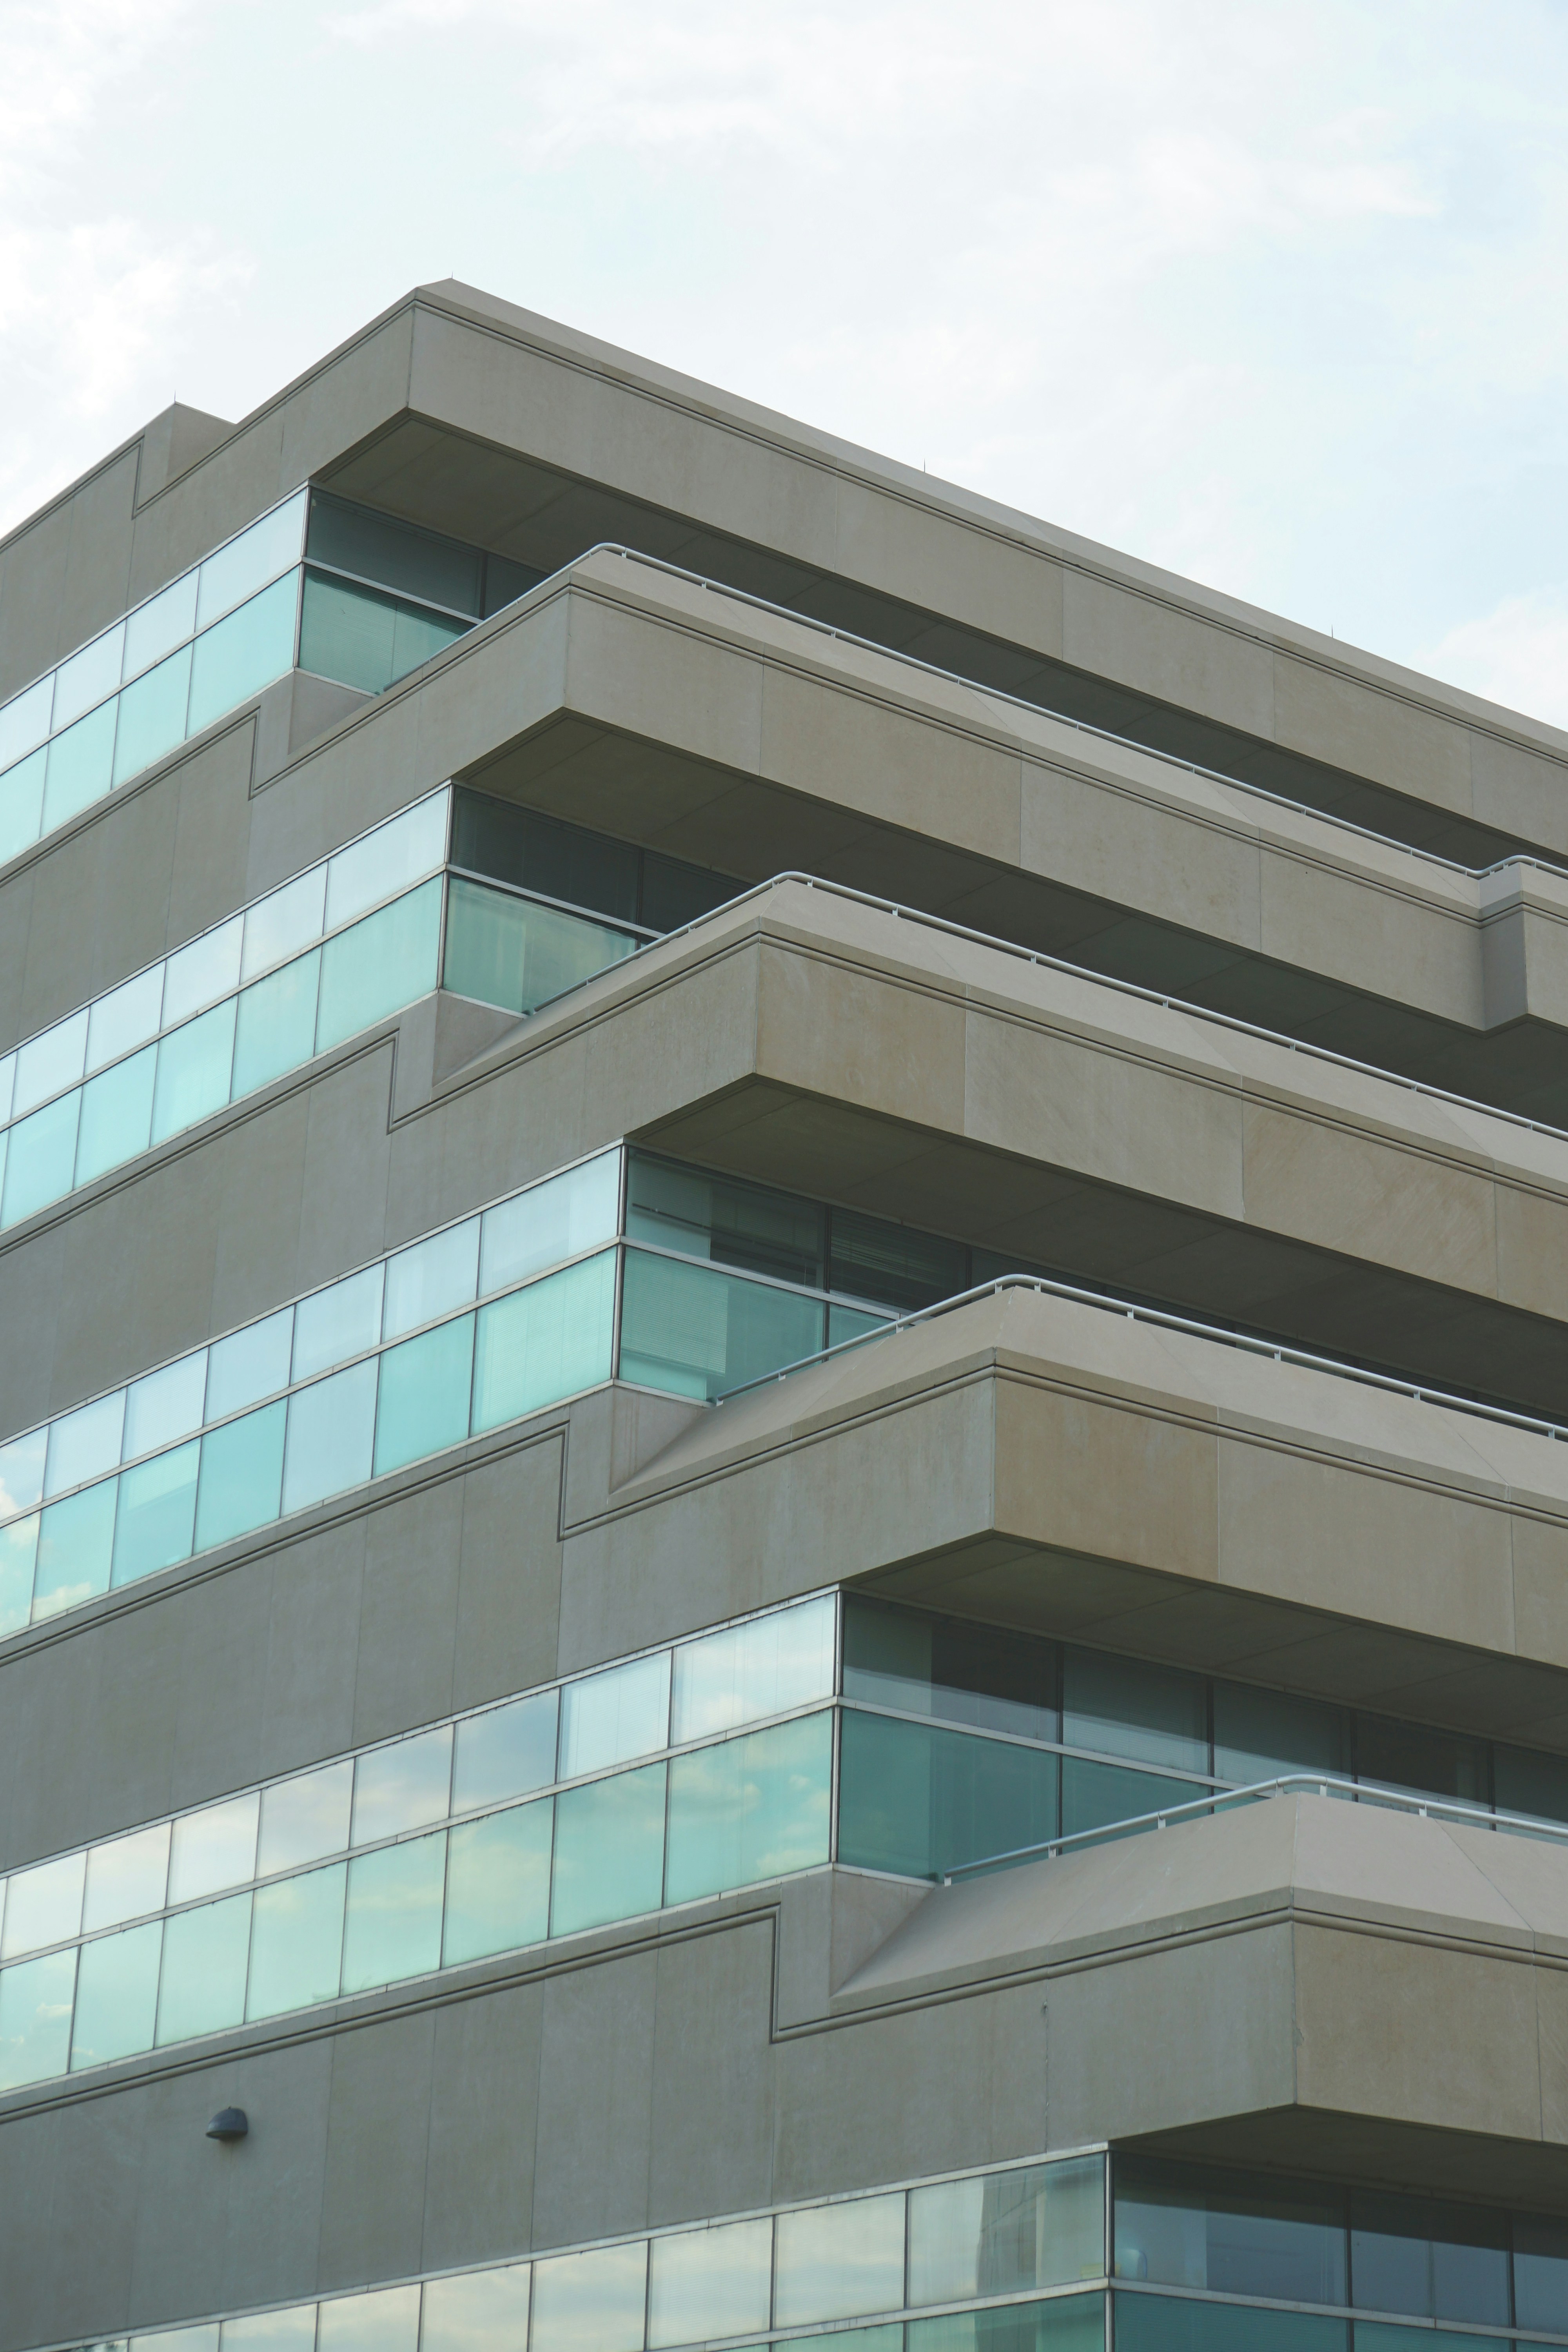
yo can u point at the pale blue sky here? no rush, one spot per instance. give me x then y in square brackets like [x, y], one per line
[1269, 291]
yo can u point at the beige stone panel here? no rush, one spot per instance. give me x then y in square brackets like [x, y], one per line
[1157, 2040]
[665, 680]
[1394, 942]
[1426, 2034]
[1552, 2029]
[963, 2082]
[1078, 1105]
[580, 412]
[1331, 715]
[1150, 643]
[904, 547]
[1532, 1249]
[1352, 1192]
[1091, 1473]
[1519, 789]
[1132, 850]
[1541, 1587]
[63, 575]
[874, 1490]
[862, 751]
[850, 1035]
[225, 490]
[1333, 1536]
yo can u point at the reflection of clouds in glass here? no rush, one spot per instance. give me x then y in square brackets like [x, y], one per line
[22, 1472]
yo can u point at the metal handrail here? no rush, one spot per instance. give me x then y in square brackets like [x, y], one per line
[1282, 1353]
[1320, 1784]
[1065, 719]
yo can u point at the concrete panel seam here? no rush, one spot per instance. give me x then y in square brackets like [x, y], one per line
[280, 1535]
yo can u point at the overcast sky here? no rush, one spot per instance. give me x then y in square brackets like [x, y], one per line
[1268, 291]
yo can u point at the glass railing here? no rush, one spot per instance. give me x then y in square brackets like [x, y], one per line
[700, 1330]
[199, 647]
[236, 1008]
[980, 2261]
[509, 949]
[416, 1352]
[418, 1855]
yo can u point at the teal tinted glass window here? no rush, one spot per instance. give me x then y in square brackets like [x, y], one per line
[732, 1223]
[249, 1364]
[22, 1471]
[743, 1673]
[1130, 1707]
[81, 765]
[203, 1984]
[590, 2301]
[697, 1332]
[1229, 2234]
[1540, 2272]
[346, 634]
[505, 1752]
[194, 1067]
[518, 954]
[873, 1258]
[1260, 1734]
[1412, 2254]
[153, 715]
[424, 1395]
[39, 1158]
[25, 719]
[609, 1850]
[485, 2311]
[160, 623]
[543, 1343]
[88, 675]
[432, 1278]
[297, 1942]
[837, 2262]
[612, 1716]
[76, 1539]
[274, 1030]
[241, 1476]
[155, 1523]
[704, 2283]
[379, 965]
[945, 1667]
[1004, 2232]
[116, 1115]
[305, 1818]
[116, 1996]
[1528, 1781]
[398, 555]
[419, 636]
[19, 1553]
[1072, 2322]
[331, 1426]
[393, 1928]
[22, 803]
[36, 2019]
[166, 1404]
[1097, 1796]
[1161, 2323]
[239, 656]
[401, 1786]
[497, 1883]
[557, 1219]
[1415, 1755]
[234, 569]
[750, 1808]
[127, 1017]
[919, 1801]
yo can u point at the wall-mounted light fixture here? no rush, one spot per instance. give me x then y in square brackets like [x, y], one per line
[230, 2123]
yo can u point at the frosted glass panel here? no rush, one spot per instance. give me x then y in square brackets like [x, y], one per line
[88, 676]
[710, 2282]
[840, 2261]
[213, 1849]
[126, 1878]
[159, 624]
[590, 2303]
[248, 563]
[610, 1717]
[766, 1667]
[43, 1906]
[125, 1018]
[279, 926]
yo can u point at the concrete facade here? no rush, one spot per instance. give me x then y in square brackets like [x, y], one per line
[1088, 922]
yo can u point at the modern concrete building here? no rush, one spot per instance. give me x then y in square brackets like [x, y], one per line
[731, 1183]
